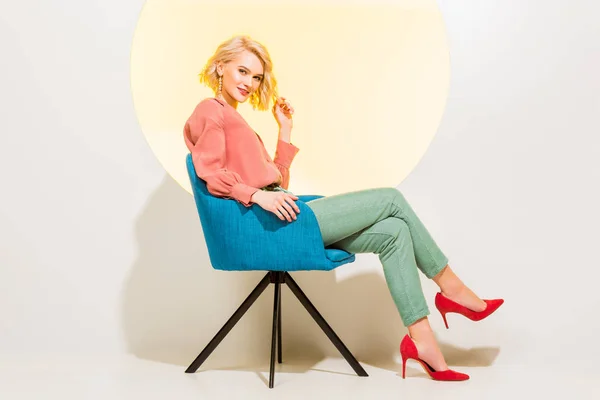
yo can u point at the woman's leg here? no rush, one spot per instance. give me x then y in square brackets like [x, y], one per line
[391, 240]
[380, 221]
[342, 215]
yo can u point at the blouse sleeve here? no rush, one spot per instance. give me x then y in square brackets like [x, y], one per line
[284, 155]
[205, 138]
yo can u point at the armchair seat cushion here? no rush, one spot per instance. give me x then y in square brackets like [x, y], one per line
[337, 255]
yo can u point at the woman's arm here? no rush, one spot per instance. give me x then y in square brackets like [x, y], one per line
[284, 155]
[205, 138]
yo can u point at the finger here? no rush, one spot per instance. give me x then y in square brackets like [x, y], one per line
[282, 205]
[285, 213]
[289, 210]
[279, 215]
[291, 201]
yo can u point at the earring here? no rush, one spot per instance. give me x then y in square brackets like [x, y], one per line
[220, 85]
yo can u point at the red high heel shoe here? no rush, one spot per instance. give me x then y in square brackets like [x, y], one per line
[408, 349]
[445, 306]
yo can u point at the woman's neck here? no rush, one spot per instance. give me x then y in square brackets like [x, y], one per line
[232, 102]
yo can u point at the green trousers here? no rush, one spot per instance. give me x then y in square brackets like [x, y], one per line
[381, 221]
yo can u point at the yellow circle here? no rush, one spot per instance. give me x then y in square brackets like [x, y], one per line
[368, 82]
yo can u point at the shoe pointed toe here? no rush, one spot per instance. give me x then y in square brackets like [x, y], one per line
[450, 375]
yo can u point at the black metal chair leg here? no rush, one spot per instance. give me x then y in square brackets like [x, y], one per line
[279, 353]
[324, 326]
[239, 313]
[274, 333]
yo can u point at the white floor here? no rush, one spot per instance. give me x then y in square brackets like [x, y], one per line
[126, 377]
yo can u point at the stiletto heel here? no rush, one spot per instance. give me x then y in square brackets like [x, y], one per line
[445, 306]
[408, 350]
[445, 321]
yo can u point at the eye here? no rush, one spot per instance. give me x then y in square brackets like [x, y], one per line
[242, 71]
[258, 78]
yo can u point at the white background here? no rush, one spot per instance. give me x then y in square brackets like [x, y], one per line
[102, 253]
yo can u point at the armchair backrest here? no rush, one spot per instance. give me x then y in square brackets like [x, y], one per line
[210, 210]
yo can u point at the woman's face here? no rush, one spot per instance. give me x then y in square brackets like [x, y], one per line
[241, 77]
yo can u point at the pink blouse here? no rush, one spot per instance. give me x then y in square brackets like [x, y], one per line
[231, 157]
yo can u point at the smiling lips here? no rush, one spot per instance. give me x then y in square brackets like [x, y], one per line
[243, 92]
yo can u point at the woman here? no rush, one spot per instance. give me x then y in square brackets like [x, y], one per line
[233, 161]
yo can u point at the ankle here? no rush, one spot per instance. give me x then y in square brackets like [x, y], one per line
[448, 282]
[454, 290]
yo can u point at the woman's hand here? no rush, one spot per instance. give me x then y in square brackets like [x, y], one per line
[279, 203]
[282, 111]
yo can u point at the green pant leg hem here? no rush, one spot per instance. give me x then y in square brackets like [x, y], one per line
[409, 320]
[438, 269]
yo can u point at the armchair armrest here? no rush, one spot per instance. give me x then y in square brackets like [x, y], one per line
[251, 238]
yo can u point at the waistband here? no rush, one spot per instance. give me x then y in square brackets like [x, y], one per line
[271, 187]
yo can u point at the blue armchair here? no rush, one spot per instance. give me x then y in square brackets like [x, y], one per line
[242, 238]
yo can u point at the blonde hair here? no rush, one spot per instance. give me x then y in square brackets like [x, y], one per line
[229, 50]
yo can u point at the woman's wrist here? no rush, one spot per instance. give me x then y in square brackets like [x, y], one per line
[255, 196]
[285, 134]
